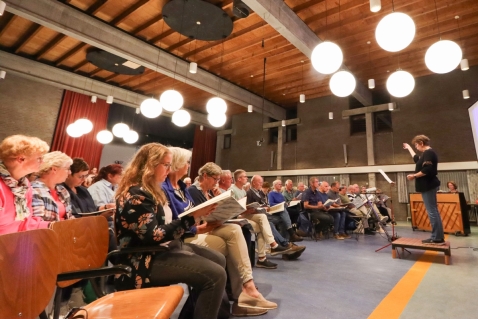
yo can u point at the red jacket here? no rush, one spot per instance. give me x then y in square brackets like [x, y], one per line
[8, 224]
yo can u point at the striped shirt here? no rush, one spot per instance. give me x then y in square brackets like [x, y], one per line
[44, 205]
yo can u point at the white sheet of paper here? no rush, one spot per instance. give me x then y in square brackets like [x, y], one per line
[385, 176]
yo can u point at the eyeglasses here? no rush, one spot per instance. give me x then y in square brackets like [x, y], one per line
[83, 176]
[167, 165]
[215, 179]
[77, 313]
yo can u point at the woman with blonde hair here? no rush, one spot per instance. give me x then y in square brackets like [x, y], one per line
[51, 200]
[20, 155]
[224, 238]
[140, 222]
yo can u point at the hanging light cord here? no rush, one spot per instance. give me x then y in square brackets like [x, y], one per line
[393, 7]
[263, 97]
[436, 13]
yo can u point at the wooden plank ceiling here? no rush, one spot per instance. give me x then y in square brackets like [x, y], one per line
[239, 58]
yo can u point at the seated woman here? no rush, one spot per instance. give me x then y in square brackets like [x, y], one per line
[104, 185]
[51, 200]
[224, 238]
[139, 221]
[81, 200]
[20, 155]
[452, 188]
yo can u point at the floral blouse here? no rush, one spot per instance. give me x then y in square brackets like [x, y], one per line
[139, 222]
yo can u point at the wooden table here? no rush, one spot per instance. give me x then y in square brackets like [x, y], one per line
[413, 243]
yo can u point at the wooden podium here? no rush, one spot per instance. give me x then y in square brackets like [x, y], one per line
[453, 211]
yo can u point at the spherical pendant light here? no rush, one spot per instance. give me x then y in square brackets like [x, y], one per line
[443, 56]
[151, 108]
[395, 32]
[216, 105]
[171, 100]
[131, 137]
[327, 57]
[74, 130]
[217, 120]
[84, 125]
[181, 118]
[342, 83]
[120, 129]
[104, 137]
[400, 83]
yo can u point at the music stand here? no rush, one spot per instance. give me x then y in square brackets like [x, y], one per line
[392, 216]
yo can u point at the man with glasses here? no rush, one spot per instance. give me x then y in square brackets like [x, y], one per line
[259, 223]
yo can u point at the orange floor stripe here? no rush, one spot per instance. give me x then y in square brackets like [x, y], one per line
[394, 303]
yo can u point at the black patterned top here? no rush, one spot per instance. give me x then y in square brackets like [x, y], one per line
[140, 222]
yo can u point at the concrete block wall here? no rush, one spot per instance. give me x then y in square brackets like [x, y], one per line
[28, 107]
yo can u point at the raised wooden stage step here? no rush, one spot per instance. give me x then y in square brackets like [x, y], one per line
[414, 243]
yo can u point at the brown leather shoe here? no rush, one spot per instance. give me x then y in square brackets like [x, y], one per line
[238, 311]
[295, 238]
[346, 236]
[294, 253]
[301, 233]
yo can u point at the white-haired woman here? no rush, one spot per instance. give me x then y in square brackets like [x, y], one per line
[51, 201]
[224, 238]
[20, 155]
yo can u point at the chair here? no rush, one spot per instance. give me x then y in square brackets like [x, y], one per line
[28, 272]
[83, 248]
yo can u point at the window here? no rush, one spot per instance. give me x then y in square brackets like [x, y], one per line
[357, 124]
[273, 135]
[382, 122]
[291, 133]
[227, 141]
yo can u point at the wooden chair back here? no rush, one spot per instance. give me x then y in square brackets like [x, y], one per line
[28, 272]
[83, 244]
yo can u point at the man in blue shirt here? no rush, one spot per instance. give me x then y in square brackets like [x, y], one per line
[313, 204]
[276, 197]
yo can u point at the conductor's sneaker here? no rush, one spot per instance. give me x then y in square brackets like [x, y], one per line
[265, 264]
[279, 250]
[427, 241]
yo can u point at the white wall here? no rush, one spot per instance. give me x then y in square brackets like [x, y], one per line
[117, 152]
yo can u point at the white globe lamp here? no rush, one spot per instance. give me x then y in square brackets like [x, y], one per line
[104, 137]
[400, 83]
[217, 120]
[131, 137]
[342, 83]
[443, 56]
[327, 57]
[151, 108]
[74, 130]
[120, 129]
[395, 32]
[216, 105]
[181, 118]
[171, 100]
[84, 125]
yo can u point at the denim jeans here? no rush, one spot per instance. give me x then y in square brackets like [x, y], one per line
[277, 235]
[430, 201]
[339, 221]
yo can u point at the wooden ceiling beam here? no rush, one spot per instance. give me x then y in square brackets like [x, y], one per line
[69, 53]
[78, 66]
[26, 37]
[138, 78]
[96, 6]
[49, 46]
[123, 15]
[288, 24]
[147, 24]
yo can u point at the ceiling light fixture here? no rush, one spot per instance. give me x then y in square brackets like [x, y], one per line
[249, 108]
[395, 31]
[84, 125]
[74, 130]
[93, 98]
[104, 137]
[331, 115]
[342, 83]
[120, 129]
[3, 5]
[193, 67]
[181, 118]
[464, 65]
[131, 137]
[375, 5]
[391, 106]
[466, 94]
[151, 108]
[283, 122]
[217, 119]
[442, 56]
[171, 100]
[109, 99]
[400, 83]
[327, 57]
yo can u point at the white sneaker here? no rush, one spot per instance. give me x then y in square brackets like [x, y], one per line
[383, 219]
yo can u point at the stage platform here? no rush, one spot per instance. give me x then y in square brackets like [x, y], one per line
[414, 243]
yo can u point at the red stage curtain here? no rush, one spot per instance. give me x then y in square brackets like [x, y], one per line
[75, 106]
[204, 149]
